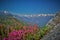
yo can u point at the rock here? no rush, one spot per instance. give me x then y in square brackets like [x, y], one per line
[54, 24]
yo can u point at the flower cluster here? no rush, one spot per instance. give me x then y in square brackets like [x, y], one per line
[25, 33]
[22, 33]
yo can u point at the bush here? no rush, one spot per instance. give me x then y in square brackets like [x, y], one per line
[24, 33]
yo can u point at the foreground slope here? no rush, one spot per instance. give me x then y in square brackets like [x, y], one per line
[8, 19]
[11, 28]
[8, 23]
[54, 25]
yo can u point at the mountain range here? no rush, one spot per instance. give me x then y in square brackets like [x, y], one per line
[39, 20]
[31, 19]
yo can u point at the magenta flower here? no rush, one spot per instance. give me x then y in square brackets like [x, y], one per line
[24, 28]
[5, 39]
[20, 32]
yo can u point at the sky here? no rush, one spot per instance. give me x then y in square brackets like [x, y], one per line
[30, 6]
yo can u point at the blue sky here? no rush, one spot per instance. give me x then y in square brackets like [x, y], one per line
[30, 6]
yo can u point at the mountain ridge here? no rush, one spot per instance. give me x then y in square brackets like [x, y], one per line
[40, 20]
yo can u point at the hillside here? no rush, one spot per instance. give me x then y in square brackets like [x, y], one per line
[54, 24]
[11, 28]
[7, 19]
[8, 23]
[14, 28]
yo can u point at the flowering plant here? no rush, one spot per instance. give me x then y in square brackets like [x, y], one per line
[26, 33]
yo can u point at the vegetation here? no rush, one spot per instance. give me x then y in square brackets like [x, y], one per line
[12, 29]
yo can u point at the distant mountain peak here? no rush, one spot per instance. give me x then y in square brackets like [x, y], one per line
[35, 15]
[5, 12]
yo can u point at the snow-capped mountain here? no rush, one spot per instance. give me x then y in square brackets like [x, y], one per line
[40, 19]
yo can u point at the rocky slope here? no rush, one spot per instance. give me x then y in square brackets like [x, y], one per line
[54, 24]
